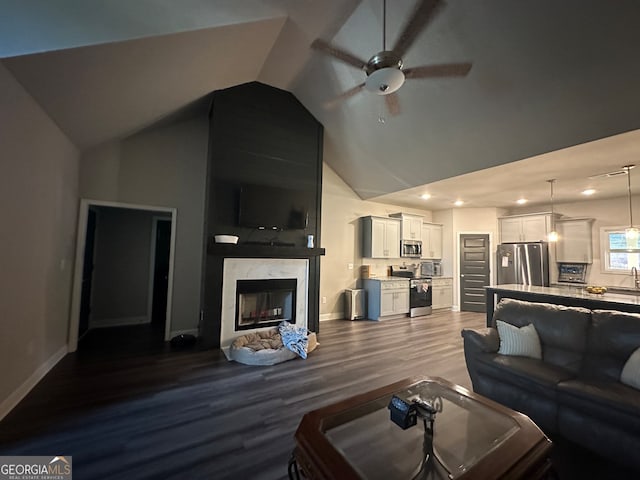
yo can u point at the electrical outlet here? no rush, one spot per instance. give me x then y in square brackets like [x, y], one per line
[324, 299]
[350, 266]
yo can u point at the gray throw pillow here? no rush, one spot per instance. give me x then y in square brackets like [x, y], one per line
[631, 372]
[523, 342]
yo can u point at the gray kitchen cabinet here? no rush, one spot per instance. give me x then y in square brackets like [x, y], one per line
[386, 298]
[525, 228]
[574, 240]
[431, 240]
[380, 237]
[442, 292]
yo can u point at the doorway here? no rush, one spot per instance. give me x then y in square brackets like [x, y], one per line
[159, 274]
[475, 260]
[87, 274]
[123, 278]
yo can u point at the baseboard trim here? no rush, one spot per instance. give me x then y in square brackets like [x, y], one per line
[331, 316]
[16, 397]
[191, 331]
[119, 322]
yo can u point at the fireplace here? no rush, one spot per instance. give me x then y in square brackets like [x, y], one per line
[265, 302]
[260, 293]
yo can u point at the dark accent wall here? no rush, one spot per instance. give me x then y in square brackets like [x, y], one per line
[259, 135]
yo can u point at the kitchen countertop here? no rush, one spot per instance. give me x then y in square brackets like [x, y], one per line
[570, 292]
[573, 296]
[388, 279]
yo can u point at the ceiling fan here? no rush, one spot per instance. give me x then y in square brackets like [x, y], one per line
[384, 70]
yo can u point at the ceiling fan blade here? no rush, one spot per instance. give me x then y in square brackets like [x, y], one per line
[338, 53]
[329, 104]
[424, 12]
[393, 104]
[442, 70]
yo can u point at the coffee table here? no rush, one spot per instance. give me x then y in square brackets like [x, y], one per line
[474, 437]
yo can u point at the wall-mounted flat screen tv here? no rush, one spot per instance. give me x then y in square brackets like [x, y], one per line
[274, 208]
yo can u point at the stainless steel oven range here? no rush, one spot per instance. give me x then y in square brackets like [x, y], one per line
[420, 293]
[420, 297]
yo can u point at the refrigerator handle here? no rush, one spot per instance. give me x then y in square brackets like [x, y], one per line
[522, 272]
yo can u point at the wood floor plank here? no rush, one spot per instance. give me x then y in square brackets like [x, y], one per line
[157, 413]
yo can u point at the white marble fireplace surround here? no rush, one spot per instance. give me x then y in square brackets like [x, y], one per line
[259, 269]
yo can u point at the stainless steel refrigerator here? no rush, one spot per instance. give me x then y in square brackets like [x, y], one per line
[523, 263]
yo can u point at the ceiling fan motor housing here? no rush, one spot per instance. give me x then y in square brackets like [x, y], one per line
[384, 73]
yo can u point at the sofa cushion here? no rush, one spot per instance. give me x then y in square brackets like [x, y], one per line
[631, 371]
[529, 374]
[481, 340]
[613, 401]
[613, 337]
[562, 330]
[522, 341]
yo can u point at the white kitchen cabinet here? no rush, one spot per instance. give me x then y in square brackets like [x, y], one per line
[525, 228]
[431, 240]
[394, 302]
[380, 237]
[442, 292]
[411, 226]
[574, 240]
[386, 298]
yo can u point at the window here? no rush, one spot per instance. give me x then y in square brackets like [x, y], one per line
[619, 254]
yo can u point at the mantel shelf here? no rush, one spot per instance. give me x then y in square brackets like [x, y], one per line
[263, 251]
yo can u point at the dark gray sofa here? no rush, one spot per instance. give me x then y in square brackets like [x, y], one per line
[574, 390]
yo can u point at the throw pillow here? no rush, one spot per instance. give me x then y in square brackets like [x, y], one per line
[631, 372]
[523, 342]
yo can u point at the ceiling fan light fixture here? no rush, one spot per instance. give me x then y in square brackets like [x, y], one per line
[384, 81]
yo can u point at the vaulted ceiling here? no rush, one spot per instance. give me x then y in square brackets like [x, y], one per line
[546, 75]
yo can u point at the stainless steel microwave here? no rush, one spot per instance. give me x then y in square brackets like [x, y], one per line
[411, 248]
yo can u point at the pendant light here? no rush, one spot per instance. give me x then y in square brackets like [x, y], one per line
[553, 235]
[630, 233]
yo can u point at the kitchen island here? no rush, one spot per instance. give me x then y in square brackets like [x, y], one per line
[572, 296]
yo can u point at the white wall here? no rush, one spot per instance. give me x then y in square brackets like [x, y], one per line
[341, 237]
[38, 205]
[164, 166]
[466, 220]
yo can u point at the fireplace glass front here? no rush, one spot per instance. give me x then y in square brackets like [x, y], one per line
[265, 302]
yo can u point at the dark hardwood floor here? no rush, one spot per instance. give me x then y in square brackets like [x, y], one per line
[126, 406]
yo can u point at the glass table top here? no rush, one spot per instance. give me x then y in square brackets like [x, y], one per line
[465, 431]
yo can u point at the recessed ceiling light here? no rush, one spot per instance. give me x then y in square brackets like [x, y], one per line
[588, 191]
[521, 201]
[458, 203]
[425, 196]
